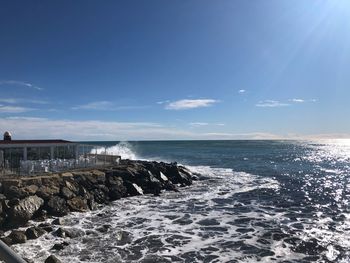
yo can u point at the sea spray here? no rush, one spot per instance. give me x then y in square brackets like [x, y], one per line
[123, 149]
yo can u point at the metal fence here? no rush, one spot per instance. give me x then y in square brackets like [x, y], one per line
[87, 156]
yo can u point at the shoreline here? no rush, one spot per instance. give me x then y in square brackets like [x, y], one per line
[24, 198]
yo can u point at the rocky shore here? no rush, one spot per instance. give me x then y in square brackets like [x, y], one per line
[55, 195]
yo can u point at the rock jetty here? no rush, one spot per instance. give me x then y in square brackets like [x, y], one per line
[55, 195]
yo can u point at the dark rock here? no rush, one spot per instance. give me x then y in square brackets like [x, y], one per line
[15, 192]
[13, 202]
[31, 189]
[78, 204]
[72, 186]
[18, 237]
[66, 193]
[58, 221]
[60, 246]
[52, 259]
[133, 189]
[20, 214]
[34, 232]
[117, 189]
[47, 227]
[57, 206]
[71, 232]
[101, 194]
[46, 192]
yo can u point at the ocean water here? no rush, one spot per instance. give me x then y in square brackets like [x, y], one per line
[255, 201]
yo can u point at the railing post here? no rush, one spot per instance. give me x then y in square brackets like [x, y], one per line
[8, 255]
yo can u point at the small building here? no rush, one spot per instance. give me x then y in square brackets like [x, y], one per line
[41, 156]
[12, 152]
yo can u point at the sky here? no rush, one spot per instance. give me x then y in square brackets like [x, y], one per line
[171, 70]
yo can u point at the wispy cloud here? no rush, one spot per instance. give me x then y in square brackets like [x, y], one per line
[271, 104]
[297, 100]
[199, 124]
[105, 106]
[13, 109]
[20, 100]
[187, 104]
[20, 83]
[34, 127]
[241, 91]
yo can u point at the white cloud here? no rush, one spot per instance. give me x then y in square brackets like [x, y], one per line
[42, 128]
[163, 102]
[297, 100]
[271, 104]
[187, 104]
[105, 106]
[13, 109]
[199, 124]
[242, 91]
[20, 100]
[19, 83]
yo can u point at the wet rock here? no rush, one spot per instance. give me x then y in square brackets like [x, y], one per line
[20, 214]
[58, 221]
[101, 194]
[66, 193]
[68, 232]
[133, 189]
[34, 232]
[47, 227]
[78, 204]
[57, 206]
[60, 246]
[18, 237]
[52, 259]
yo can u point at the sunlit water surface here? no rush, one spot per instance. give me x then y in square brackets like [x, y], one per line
[256, 201]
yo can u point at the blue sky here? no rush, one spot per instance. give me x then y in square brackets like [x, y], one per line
[135, 70]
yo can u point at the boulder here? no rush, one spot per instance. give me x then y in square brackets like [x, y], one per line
[17, 237]
[133, 189]
[117, 189]
[31, 189]
[101, 194]
[34, 232]
[66, 193]
[46, 192]
[57, 206]
[60, 246]
[78, 204]
[68, 232]
[25, 209]
[15, 192]
[47, 227]
[58, 221]
[52, 259]
[72, 186]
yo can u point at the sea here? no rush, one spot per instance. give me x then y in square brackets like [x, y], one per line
[254, 201]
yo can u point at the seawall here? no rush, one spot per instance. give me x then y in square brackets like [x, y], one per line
[54, 195]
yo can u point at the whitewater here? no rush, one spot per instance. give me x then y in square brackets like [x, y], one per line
[264, 208]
